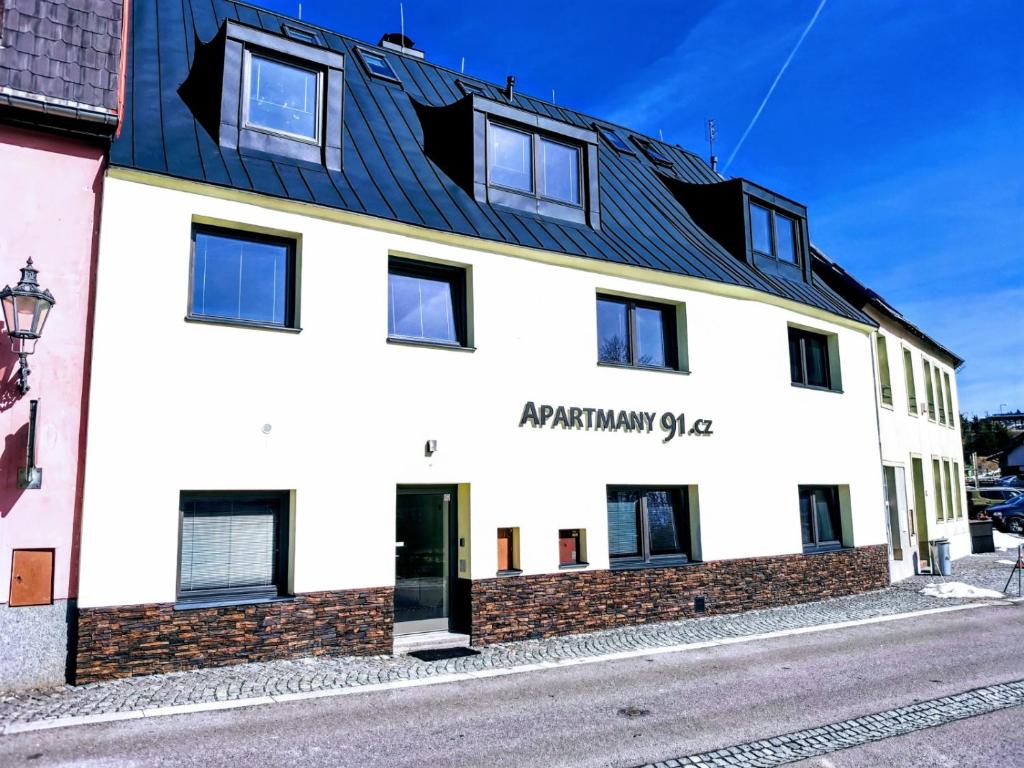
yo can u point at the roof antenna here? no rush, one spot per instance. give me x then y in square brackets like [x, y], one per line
[462, 69]
[401, 16]
[661, 135]
[712, 135]
[553, 96]
[510, 86]
[300, 11]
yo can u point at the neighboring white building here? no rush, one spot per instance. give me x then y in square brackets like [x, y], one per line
[435, 356]
[919, 428]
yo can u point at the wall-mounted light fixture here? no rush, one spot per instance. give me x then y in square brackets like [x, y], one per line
[430, 448]
[26, 307]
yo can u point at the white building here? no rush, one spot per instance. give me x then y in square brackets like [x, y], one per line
[437, 356]
[919, 428]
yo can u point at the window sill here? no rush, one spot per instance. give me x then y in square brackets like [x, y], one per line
[192, 605]
[674, 562]
[572, 566]
[816, 388]
[625, 367]
[826, 549]
[428, 344]
[887, 406]
[240, 324]
[298, 138]
[510, 572]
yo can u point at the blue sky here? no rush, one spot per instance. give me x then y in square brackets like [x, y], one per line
[899, 124]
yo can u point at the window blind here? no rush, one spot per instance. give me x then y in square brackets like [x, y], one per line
[623, 526]
[229, 546]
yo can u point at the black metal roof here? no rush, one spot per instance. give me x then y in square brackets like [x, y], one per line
[859, 295]
[386, 174]
[61, 57]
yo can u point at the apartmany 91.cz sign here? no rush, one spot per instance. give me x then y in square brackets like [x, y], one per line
[609, 420]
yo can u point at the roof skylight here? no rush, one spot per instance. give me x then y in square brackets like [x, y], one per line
[614, 139]
[469, 88]
[377, 65]
[301, 34]
[654, 153]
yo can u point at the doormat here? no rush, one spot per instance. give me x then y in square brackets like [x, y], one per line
[440, 654]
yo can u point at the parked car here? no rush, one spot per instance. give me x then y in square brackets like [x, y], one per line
[1012, 481]
[1009, 516]
[980, 499]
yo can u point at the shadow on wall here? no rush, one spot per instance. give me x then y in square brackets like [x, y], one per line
[9, 364]
[13, 457]
[15, 444]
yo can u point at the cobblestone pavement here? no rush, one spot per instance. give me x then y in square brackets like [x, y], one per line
[275, 678]
[801, 745]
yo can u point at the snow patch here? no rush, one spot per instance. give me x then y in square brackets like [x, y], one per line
[1005, 562]
[958, 589]
[1005, 541]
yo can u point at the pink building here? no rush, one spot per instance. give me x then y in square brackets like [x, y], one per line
[58, 109]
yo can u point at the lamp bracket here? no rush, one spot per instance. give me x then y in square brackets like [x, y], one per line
[23, 374]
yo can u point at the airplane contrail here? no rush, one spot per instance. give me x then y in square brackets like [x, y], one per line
[778, 77]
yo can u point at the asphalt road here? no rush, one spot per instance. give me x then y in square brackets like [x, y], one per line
[620, 713]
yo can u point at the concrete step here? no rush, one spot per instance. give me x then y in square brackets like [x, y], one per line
[422, 641]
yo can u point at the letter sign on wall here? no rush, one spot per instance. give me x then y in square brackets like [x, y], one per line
[609, 420]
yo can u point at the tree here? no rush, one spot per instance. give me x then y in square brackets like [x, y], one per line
[982, 436]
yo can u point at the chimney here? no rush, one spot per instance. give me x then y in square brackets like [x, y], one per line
[510, 87]
[396, 41]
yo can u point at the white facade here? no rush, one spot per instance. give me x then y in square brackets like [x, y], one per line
[177, 405]
[918, 434]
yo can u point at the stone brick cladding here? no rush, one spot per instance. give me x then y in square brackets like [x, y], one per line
[146, 639]
[529, 607]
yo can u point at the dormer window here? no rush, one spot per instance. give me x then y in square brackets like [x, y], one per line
[510, 158]
[514, 158]
[280, 94]
[756, 225]
[560, 171]
[773, 234]
[282, 98]
[533, 164]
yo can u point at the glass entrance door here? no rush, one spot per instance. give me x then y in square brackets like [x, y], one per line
[422, 560]
[921, 516]
[896, 504]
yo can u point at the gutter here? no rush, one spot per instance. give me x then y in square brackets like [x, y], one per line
[83, 114]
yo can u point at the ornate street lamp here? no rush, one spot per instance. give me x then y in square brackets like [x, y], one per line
[26, 307]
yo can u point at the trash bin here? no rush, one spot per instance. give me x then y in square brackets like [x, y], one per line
[981, 537]
[942, 562]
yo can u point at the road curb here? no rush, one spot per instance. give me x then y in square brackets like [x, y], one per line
[209, 706]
